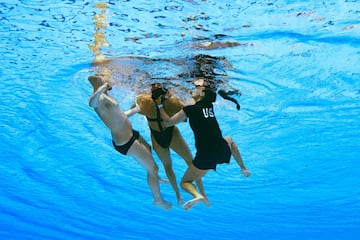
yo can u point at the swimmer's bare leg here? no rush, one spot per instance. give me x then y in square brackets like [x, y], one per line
[158, 200]
[235, 152]
[144, 157]
[192, 174]
[145, 143]
[200, 186]
[164, 155]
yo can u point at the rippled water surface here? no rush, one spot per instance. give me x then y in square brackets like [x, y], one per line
[296, 64]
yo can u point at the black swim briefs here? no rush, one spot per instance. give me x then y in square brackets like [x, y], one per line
[123, 149]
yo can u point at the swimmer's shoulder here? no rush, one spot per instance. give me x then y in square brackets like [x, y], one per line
[146, 104]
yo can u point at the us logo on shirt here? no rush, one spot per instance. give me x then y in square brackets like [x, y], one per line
[208, 112]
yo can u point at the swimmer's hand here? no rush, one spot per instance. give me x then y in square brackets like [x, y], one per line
[110, 85]
[158, 100]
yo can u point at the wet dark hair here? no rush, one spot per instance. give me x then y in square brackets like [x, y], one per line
[158, 92]
[226, 95]
[210, 95]
[210, 92]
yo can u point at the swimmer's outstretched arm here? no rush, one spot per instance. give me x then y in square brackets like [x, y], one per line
[133, 110]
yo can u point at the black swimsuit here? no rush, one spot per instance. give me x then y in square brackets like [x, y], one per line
[123, 149]
[164, 136]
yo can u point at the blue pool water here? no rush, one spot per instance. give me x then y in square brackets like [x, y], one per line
[296, 64]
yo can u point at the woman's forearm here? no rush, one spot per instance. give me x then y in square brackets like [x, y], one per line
[176, 118]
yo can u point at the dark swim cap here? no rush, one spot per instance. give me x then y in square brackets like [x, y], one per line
[158, 92]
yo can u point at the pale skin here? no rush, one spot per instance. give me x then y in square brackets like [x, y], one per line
[193, 173]
[120, 127]
[146, 106]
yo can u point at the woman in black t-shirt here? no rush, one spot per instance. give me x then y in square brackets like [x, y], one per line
[211, 147]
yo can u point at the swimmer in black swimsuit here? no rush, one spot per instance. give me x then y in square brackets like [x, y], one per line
[162, 135]
[211, 147]
[165, 138]
[107, 108]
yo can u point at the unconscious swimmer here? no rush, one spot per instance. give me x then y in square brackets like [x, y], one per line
[125, 139]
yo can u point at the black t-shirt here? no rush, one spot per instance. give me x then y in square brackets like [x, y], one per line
[208, 136]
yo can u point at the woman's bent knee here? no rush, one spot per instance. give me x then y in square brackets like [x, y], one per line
[183, 184]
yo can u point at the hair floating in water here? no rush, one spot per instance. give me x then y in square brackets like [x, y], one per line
[226, 96]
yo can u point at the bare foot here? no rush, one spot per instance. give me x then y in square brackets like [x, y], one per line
[162, 204]
[189, 204]
[245, 172]
[207, 202]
